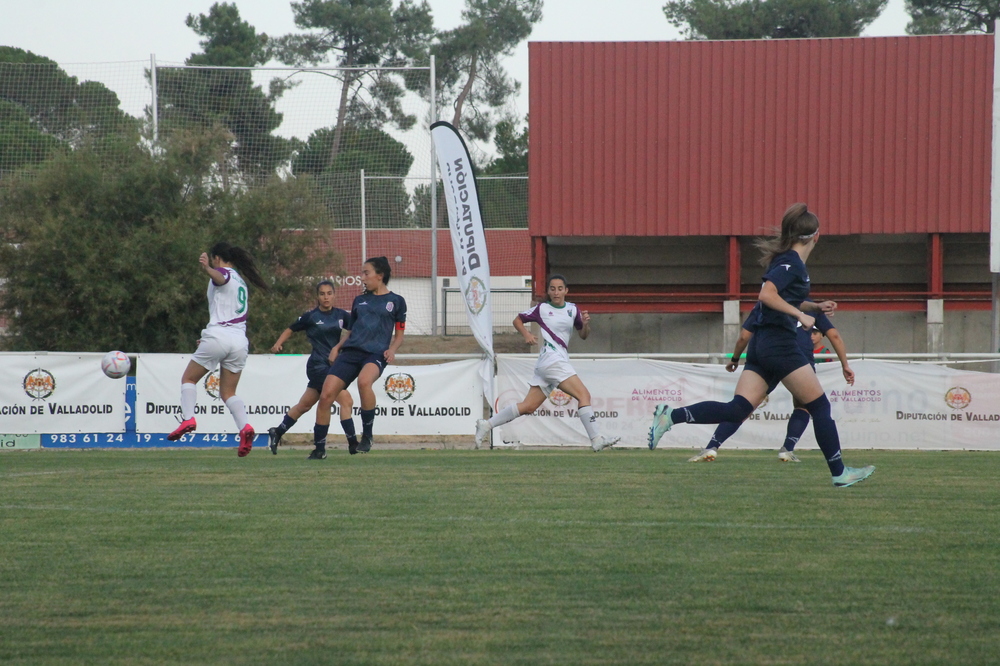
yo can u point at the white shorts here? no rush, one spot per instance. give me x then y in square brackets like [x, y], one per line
[549, 376]
[229, 351]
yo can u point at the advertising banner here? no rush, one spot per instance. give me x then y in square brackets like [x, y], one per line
[59, 393]
[19, 442]
[442, 399]
[468, 239]
[891, 405]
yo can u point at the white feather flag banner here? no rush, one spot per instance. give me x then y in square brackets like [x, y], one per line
[468, 239]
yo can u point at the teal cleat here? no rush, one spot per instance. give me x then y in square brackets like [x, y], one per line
[661, 424]
[853, 475]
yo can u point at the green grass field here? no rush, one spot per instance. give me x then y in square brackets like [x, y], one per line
[496, 557]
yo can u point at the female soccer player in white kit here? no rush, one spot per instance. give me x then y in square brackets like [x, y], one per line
[224, 341]
[556, 318]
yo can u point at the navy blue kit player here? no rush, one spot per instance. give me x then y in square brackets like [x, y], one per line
[774, 354]
[323, 326]
[377, 322]
[799, 419]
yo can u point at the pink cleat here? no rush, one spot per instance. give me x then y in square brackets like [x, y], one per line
[246, 440]
[184, 428]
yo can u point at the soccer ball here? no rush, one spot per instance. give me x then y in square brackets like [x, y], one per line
[115, 364]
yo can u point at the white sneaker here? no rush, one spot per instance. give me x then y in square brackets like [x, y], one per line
[706, 455]
[787, 456]
[482, 430]
[601, 442]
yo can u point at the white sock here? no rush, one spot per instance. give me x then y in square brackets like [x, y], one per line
[505, 415]
[586, 415]
[238, 410]
[189, 397]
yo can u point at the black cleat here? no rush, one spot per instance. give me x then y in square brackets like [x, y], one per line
[273, 439]
[366, 444]
[352, 445]
[317, 454]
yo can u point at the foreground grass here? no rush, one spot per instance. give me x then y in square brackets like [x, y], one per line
[496, 558]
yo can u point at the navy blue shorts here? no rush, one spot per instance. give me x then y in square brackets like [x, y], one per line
[774, 356]
[350, 362]
[316, 376]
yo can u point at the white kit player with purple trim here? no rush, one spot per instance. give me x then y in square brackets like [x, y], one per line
[224, 340]
[557, 324]
[557, 319]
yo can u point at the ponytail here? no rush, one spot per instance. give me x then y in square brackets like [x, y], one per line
[798, 225]
[242, 260]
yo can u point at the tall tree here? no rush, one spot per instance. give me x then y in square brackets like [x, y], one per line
[771, 19]
[227, 99]
[45, 111]
[338, 185]
[81, 223]
[933, 17]
[361, 34]
[470, 75]
[505, 200]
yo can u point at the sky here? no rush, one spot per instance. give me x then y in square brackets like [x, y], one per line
[91, 31]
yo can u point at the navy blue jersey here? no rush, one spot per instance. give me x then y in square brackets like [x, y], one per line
[789, 276]
[802, 337]
[323, 330]
[373, 319]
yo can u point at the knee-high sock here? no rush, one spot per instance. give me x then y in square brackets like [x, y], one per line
[367, 422]
[319, 436]
[734, 411]
[238, 410]
[189, 397]
[505, 415]
[348, 426]
[826, 433]
[586, 415]
[285, 424]
[796, 426]
[725, 430]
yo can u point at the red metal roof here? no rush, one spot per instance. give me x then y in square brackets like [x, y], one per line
[877, 135]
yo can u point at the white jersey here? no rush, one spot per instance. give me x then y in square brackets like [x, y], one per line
[228, 304]
[557, 326]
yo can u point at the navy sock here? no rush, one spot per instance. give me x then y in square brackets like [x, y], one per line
[285, 424]
[734, 411]
[319, 435]
[725, 430]
[796, 426]
[367, 419]
[348, 426]
[826, 433]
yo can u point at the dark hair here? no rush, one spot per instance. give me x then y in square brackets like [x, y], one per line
[548, 283]
[382, 267]
[242, 260]
[797, 225]
[322, 283]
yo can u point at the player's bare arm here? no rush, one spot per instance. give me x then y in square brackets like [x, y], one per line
[585, 331]
[282, 339]
[525, 333]
[217, 278]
